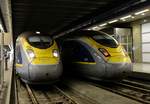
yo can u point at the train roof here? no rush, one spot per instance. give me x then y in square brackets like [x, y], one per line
[87, 33]
[27, 34]
[83, 33]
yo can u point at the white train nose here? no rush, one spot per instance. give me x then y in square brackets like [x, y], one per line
[44, 73]
[117, 70]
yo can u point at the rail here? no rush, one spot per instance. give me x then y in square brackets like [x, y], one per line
[33, 98]
[130, 89]
[40, 94]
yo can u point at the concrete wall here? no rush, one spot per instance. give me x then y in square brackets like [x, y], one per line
[5, 6]
[137, 48]
[7, 39]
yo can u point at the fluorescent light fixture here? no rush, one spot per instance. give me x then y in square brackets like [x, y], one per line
[113, 21]
[125, 17]
[37, 32]
[104, 24]
[96, 28]
[140, 12]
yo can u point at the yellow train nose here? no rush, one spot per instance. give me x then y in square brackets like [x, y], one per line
[119, 59]
[45, 61]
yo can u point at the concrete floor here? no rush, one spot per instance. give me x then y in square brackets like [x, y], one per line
[99, 95]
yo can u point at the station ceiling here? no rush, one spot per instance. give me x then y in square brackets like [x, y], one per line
[55, 16]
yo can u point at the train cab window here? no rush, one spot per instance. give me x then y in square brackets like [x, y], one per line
[18, 55]
[42, 42]
[78, 52]
[104, 39]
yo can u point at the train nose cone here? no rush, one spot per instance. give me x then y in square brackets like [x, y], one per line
[44, 73]
[118, 70]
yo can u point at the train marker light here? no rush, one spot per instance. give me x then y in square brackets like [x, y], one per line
[104, 52]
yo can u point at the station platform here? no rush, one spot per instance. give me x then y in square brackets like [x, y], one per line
[141, 71]
[141, 67]
[5, 87]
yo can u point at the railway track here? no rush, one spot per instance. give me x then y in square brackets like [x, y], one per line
[76, 94]
[138, 82]
[47, 95]
[131, 89]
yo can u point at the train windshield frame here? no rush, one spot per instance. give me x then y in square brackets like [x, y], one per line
[104, 39]
[40, 41]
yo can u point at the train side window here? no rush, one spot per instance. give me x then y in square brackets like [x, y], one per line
[80, 52]
[18, 55]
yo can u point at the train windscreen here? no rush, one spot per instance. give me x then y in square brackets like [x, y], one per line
[104, 39]
[40, 41]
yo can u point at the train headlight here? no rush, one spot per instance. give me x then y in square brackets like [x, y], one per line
[104, 52]
[31, 53]
[55, 53]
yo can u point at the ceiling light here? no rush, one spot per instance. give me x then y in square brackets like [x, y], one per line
[37, 32]
[143, 0]
[143, 14]
[123, 20]
[89, 29]
[144, 20]
[113, 21]
[143, 11]
[132, 17]
[96, 28]
[104, 24]
[125, 17]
